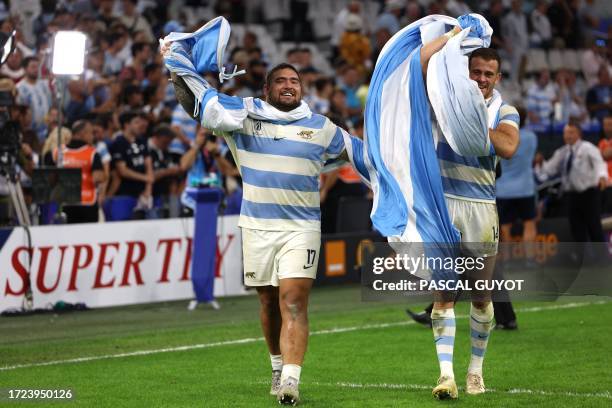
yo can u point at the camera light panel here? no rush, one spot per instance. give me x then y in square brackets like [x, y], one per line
[68, 53]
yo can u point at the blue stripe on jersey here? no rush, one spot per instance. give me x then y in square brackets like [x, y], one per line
[281, 147]
[274, 179]
[313, 122]
[208, 95]
[512, 117]
[463, 188]
[358, 161]
[279, 211]
[445, 152]
[230, 102]
[337, 144]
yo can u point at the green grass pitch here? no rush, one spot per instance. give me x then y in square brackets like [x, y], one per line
[360, 355]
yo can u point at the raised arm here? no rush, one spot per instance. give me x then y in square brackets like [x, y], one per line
[214, 110]
[434, 46]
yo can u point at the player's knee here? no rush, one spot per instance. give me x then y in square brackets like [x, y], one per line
[293, 305]
[268, 301]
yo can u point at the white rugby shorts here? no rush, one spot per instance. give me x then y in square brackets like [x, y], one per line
[273, 255]
[478, 224]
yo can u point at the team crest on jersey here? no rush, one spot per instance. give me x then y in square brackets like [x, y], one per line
[306, 134]
[257, 128]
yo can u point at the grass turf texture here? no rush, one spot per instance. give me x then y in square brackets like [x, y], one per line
[554, 354]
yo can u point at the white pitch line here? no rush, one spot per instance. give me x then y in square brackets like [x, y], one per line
[258, 339]
[604, 394]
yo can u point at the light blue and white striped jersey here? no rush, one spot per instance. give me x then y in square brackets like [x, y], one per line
[472, 178]
[188, 126]
[280, 163]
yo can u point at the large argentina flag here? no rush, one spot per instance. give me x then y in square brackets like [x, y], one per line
[398, 156]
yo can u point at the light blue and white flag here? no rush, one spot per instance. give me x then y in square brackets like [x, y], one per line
[192, 54]
[398, 155]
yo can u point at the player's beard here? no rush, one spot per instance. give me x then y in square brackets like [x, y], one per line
[283, 106]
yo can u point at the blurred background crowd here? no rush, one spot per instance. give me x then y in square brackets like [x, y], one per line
[556, 67]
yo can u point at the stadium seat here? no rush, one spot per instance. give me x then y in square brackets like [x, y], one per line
[555, 60]
[571, 59]
[536, 61]
[353, 214]
[119, 208]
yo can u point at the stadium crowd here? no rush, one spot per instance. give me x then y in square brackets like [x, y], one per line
[556, 66]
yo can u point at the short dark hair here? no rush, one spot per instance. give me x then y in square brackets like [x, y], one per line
[163, 130]
[280, 66]
[127, 117]
[150, 68]
[78, 126]
[137, 47]
[575, 123]
[487, 54]
[26, 61]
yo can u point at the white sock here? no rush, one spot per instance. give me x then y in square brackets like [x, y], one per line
[481, 321]
[443, 325]
[291, 370]
[277, 362]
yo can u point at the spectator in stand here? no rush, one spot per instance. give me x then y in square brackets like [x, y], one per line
[354, 46]
[516, 36]
[102, 140]
[572, 105]
[414, 11]
[541, 36]
[560, 17]
[540, 99]
[132, 161]
[457, 8]
[185, 128]
[592, 60]
[165, 171]
[204, 164]
[338, 110]
[81, 153]
[153, 75]
[305, 59]
[599, 97]
[113, 59]
[134, 22]
[319, 99]
[381, 38]
[13, 68]
[494, 17]
[255, 77]
[389, 19]
[134, 71]
[133, 97]
[350, 84]
[36, 93]
[584, 175]
[352, 7]
[605, 146]
[81, 101]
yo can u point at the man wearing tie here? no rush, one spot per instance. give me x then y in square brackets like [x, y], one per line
[583, 177]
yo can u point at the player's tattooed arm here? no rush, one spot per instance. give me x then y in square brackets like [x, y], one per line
[183, 94]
